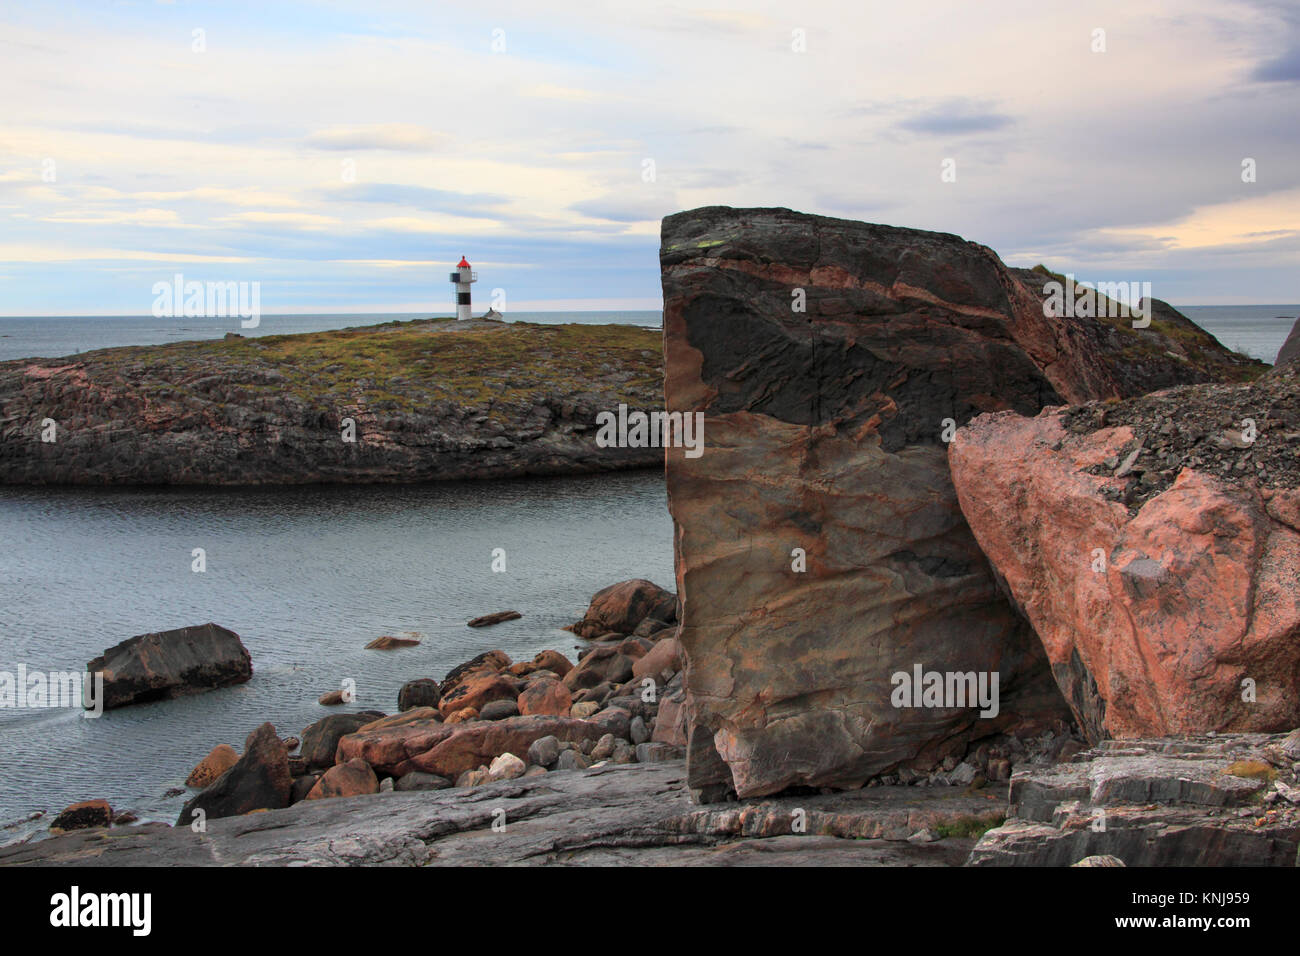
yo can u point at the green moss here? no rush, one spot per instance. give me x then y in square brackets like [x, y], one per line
[969, 827]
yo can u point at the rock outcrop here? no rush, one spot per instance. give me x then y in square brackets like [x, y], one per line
[611, 816]
[820, 549]
[1200, 801]
[171, 664]
[399, 402]
[1154, 544]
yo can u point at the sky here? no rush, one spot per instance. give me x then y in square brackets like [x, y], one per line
[345, 155]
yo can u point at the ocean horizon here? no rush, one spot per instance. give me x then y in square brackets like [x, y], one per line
[1254, 330]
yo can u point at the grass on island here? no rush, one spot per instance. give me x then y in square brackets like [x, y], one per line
[402, 365]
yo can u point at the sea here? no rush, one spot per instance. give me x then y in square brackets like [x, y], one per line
[306, 577]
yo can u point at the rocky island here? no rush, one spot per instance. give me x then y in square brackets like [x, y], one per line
[405, 401]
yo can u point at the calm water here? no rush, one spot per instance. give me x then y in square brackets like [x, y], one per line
[306, 577]
[1255, 330]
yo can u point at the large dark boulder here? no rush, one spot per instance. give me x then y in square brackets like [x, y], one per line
[172, 663]
[820, 549]
[260, 780]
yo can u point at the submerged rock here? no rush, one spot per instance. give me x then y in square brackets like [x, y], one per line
[171, 664]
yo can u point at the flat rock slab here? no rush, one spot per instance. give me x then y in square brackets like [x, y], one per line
[1199, 802]
[638, 814]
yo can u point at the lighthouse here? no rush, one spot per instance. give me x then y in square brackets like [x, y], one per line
[461, 279]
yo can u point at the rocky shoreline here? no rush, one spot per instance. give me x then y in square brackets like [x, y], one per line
[401, 402]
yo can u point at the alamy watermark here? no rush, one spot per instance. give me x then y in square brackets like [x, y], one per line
[951, 689]
[1116, 300]
[35, 690]
[208, 300]
[637, 429]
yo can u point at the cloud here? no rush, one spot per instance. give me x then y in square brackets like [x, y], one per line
[955, 118]
[402, 137]
[420, 197]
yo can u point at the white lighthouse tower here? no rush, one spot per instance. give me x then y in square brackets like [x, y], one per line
[461, 280]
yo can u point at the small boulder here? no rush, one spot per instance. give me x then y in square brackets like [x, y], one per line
[259, 780]
[546, 697]
[476, 689]
[352, 779]
[586, 709]
[622, 607]
[572, 760]
[544, 751]
[418, 780]
[423, 692]
[83, 816]
[220, 759]
[321, 739]
[506, 767]
[331, 698]
[499, 710]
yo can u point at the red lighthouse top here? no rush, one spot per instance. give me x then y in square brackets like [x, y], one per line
[462, 264]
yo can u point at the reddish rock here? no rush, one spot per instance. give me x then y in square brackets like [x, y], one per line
[621, 607]
[352, 779]
[824, 431]
[331, 698]
[450, 750]
[664, 656]
[1153, 620]
[493, 661]
[1290, 350]
[487, 620]
[220, 759]
[462, 715]
[549, 697]
[83, 816]
[476, 689]
[548, 660]
[602, 664]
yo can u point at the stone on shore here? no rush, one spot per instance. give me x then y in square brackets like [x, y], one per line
[220, 759]
[423, 692]
[82, 816]
[321, 739]
[351, 779]
[259, 780]
[172, 663]
[547, 696]
[621, 607]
